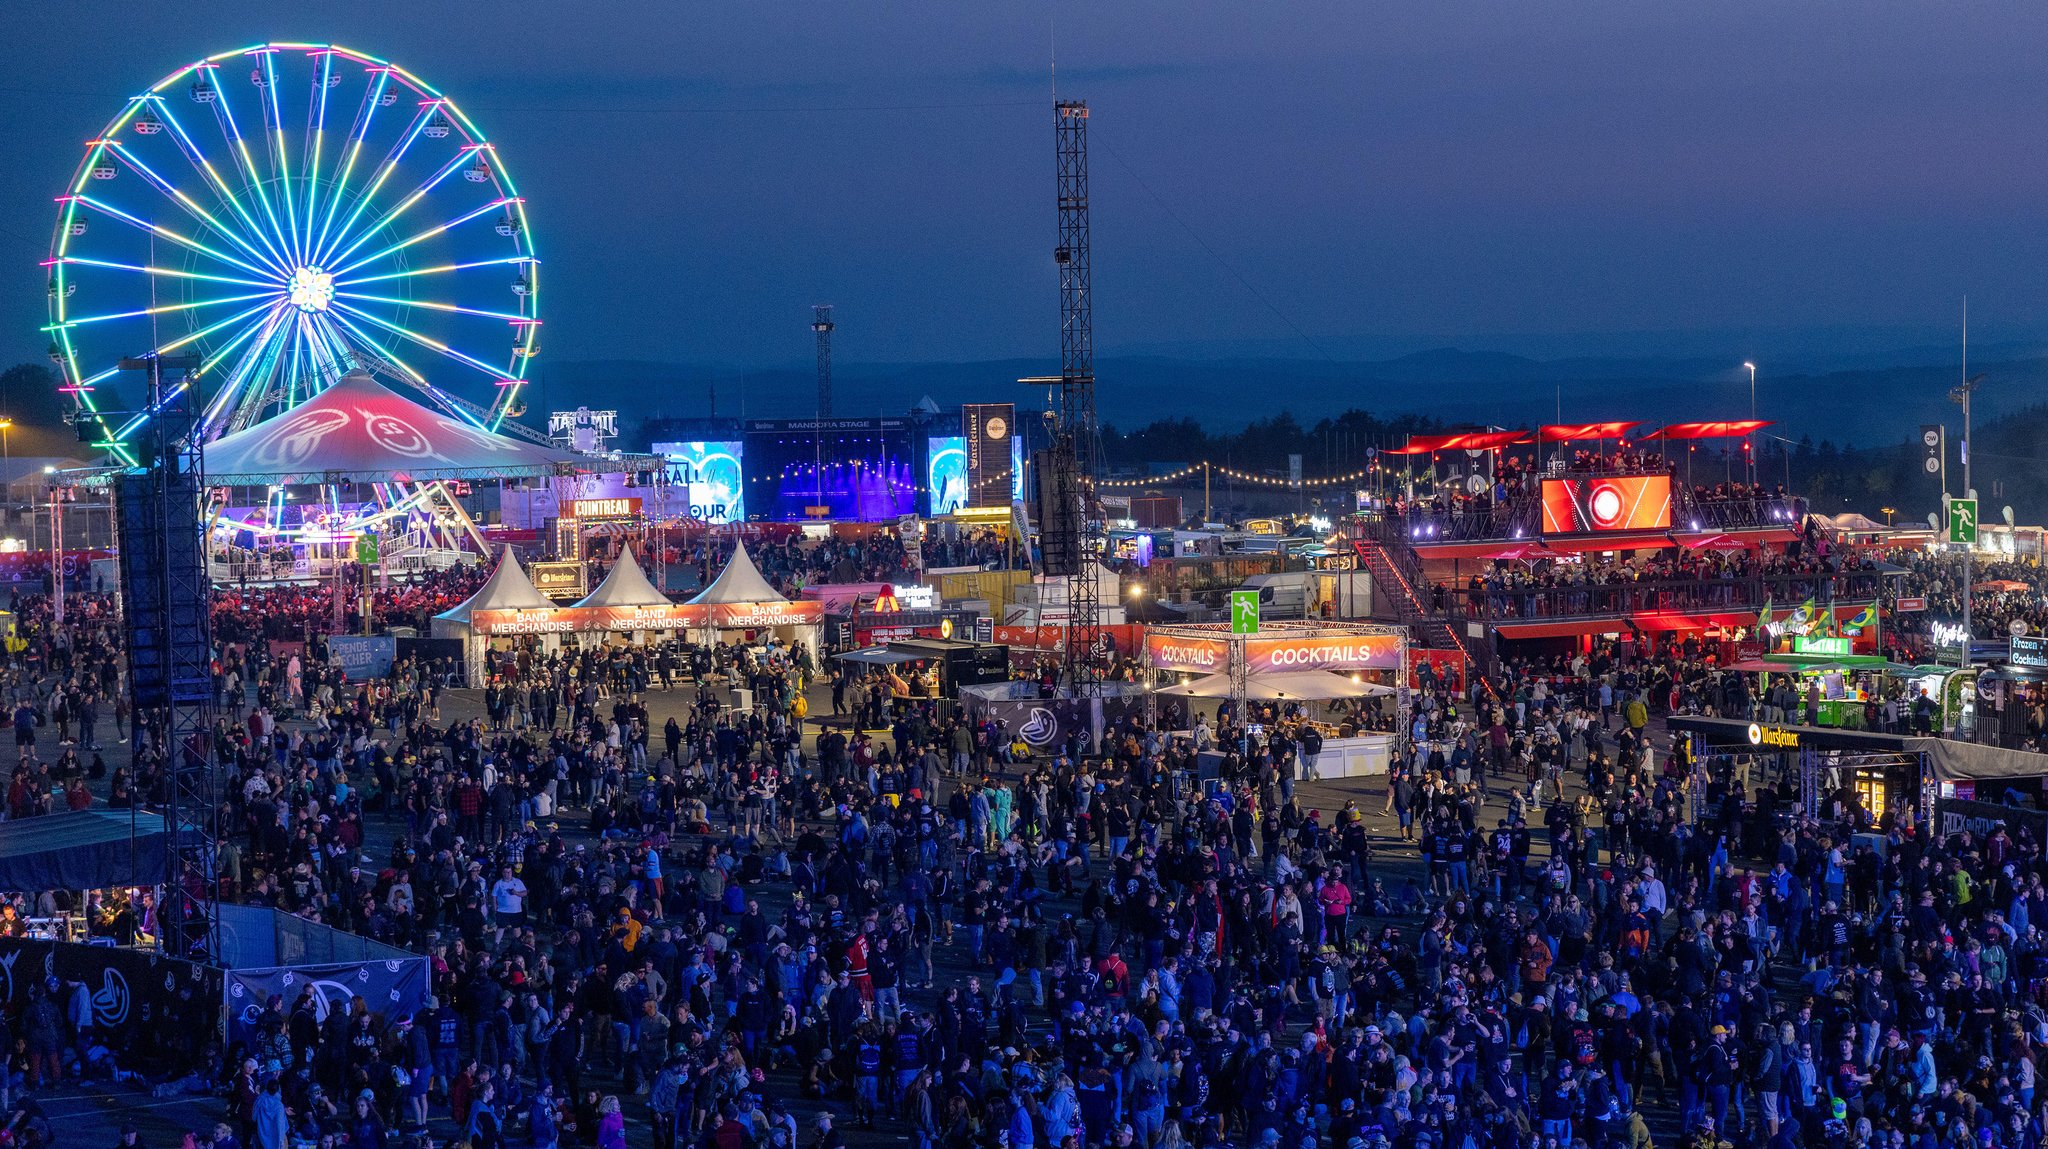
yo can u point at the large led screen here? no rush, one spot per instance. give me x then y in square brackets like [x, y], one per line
[946, 473]
[711, 475]
[1620, 503]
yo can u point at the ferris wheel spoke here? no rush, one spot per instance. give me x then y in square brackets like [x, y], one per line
[184, 341]
[441, 269]
[191, 206]
[239, 145]
[142, 417]
[231, 387]
[427, 112]
[388, 218]
[166, 233]
[426, 341]
[345, 160]
[169, 272]
[451, 308]
[280, 157]
[315, 143]
[167, 309]
[460, 409]
[226, 194]
[421, 237]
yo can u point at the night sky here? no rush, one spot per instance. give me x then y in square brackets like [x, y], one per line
[1302, 179]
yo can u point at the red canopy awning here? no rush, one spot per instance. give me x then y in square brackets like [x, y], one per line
[1566, 432]
[1462, 441]
[1728, 429]
[359, 431]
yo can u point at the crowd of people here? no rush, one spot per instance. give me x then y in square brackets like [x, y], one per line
[649, 916]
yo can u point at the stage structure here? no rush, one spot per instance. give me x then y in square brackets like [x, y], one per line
[1071, 539]
[165, 592]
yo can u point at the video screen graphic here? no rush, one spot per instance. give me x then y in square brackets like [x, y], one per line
[1622, 503]
[946, 473]
[713, 476]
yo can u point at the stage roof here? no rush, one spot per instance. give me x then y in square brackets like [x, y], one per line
[625, 585]
[359, 431]
[1567, 432]
[1462, 441]
[82, 850]
[739, 582]
[1731, 429]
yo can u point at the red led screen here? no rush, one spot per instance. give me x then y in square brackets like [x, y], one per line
[1621, 503]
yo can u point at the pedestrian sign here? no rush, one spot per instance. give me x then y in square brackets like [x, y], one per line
[1962, 521]
[366, 548]
[1244, 612]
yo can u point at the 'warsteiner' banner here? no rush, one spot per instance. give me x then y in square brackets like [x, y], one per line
[144, 1005]
[1337, 652]
[392, 989]
[987, 428]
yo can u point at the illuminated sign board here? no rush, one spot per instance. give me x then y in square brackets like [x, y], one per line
[560, 579]
[599, 510]
[2028, 650]
[1773, 737]
[1820, 644]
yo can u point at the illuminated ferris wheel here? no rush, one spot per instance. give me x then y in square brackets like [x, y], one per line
[282, 213]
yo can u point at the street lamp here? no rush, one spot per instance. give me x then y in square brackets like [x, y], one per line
[1752, 418]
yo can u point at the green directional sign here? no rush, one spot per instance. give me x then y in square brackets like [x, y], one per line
[1244, 612]
[366, 548]
[1962, 521]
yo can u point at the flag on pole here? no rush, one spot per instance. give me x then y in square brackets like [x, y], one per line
[1804, 614]
[1865, 618]
[1763, 617]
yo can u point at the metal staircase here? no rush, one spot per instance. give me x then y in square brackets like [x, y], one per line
[1398, 588]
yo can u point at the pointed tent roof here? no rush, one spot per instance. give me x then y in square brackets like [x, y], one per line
[625, 585]
[507, 589]
[740, 581]
[360, 431]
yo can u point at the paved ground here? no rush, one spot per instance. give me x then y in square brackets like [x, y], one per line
[94, 1116]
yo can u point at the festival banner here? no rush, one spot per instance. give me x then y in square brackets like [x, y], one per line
[1192, 655]
[757, 615]
[1121, 638]
[1336, 652]
[362, 656]
[392, 989]
[138, 996]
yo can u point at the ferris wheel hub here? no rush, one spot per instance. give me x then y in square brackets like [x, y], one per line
[311, 289]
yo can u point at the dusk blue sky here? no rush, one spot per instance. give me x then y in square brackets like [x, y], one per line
[1301, 179]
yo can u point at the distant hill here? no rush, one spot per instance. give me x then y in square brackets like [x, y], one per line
[1862, 404]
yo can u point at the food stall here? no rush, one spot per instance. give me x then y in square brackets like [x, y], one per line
[1369, 661]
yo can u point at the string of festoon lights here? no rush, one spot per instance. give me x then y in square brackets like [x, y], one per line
[1194, 469]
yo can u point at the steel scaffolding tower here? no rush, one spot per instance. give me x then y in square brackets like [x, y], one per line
[170, 649]
[821, 322]
[1076, 445]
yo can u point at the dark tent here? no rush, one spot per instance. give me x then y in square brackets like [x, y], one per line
[82, 850]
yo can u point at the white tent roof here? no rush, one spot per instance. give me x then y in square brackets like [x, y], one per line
[625, 585]
[1279, 686]
[740, 581]
[507, 589]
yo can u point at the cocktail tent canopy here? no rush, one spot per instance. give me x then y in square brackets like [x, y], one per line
[1279, 686]
[740, 581]
[82, 850]
[508, 588]
[625, 585]
[359, 431]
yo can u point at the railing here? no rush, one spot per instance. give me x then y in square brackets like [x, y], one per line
[1521, 518]
[1747, 593]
